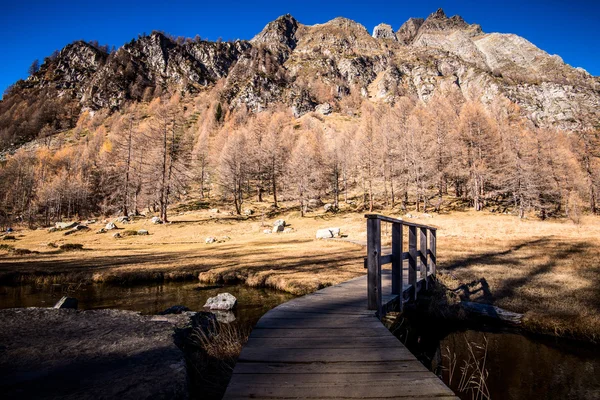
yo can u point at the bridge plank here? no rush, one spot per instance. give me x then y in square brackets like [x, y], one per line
[328, 345]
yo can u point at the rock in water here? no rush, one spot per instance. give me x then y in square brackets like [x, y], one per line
[67, 302]
[222, 301]
[225, 317]
[328, 233]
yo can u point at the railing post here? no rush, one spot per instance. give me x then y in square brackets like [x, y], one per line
[374, 264]
[432, 248]
[397, 260]
[423, 252]
[412, 260]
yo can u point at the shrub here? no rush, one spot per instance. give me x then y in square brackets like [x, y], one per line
[71, 247]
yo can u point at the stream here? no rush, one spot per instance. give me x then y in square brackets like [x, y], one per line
[147, 298]
[518, 365]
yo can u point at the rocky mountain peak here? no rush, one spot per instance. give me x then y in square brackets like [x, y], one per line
[439, 14]
[281, 31]
[438, 21]
[384, 31]
[409, 30]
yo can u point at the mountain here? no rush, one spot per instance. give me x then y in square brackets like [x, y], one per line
[303, 66]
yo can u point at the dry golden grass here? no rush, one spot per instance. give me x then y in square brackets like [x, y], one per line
[294, 262]
[548, 270]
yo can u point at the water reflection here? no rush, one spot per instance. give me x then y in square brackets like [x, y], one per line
[519, 366]
[148, 298]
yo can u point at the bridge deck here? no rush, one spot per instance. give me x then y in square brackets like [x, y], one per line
[328, 345]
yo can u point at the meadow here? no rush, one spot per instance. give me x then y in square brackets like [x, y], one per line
[547, 270]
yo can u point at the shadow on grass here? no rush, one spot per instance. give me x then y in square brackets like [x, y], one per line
[524, 258]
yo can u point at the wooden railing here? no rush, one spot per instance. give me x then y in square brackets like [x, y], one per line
[423, 258]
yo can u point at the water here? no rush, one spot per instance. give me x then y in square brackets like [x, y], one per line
[146, 298]
[519, 366]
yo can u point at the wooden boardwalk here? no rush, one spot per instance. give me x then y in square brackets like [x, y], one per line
[329, 345]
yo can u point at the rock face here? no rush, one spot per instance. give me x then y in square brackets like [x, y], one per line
[384, 31]
[408, 30]
[222, 301]
[90, 355]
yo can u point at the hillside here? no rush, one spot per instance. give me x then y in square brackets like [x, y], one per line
[435, 112]
[302, 66]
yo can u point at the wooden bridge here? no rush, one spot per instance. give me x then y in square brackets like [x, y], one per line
[331, 343]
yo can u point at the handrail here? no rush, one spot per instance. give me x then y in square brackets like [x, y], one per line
[424, 257]
[396, 220]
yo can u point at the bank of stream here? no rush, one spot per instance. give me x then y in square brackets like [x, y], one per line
[518, 365]
[148, 298]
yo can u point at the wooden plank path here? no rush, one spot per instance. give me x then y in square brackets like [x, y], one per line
[329, 345]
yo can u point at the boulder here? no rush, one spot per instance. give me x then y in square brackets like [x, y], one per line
[143, 232]
[329, 207]
[9, 230]
[101, 230]
[117, 235]
[65, 225]
[210, 240]
[67, 302]
[122, 219]
[328, 233]
[222, 301]
[324, 109]
[248, 211]
[76, 229]
[156, 220]
[53, 229]
[90, 221]
[110, 226]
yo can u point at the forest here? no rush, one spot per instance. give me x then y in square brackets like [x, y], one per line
[408, 155]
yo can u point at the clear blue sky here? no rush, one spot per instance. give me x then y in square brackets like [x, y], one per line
[34, 29]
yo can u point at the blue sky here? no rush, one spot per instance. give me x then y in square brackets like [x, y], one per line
[34, 29]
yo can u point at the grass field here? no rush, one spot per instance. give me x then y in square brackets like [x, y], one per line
[548, 270]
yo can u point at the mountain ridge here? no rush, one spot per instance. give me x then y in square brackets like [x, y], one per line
[290, 63]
